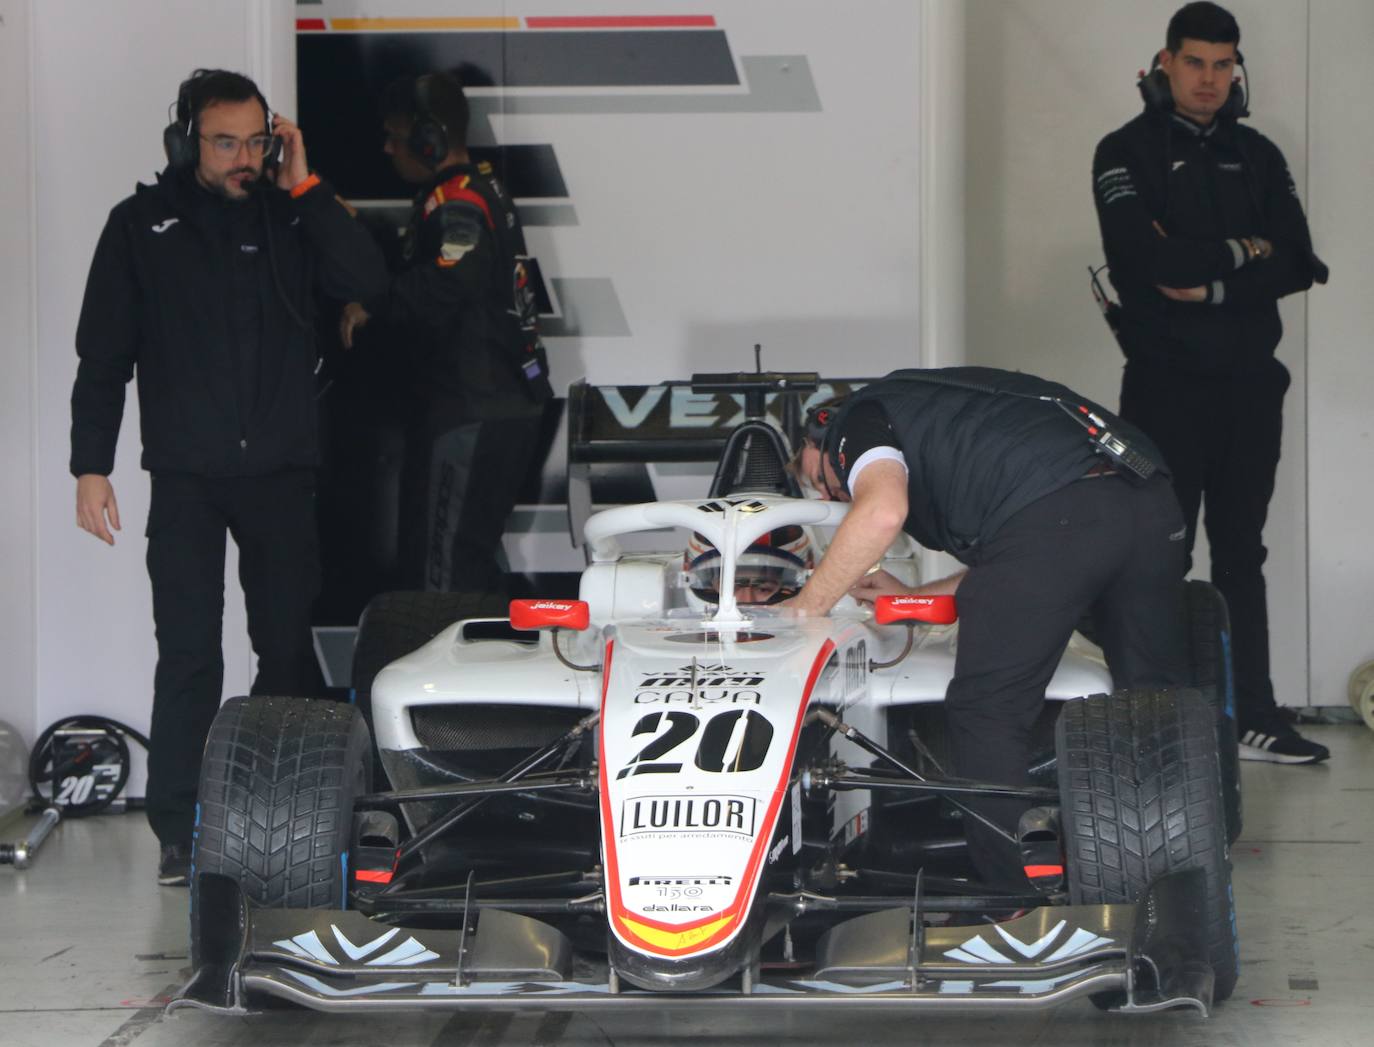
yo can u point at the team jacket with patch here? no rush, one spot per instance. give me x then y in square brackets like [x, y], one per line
[182, 290]
[1204, 188]
[463, 304]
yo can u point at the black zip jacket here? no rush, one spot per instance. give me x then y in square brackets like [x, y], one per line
[1206, 188]
[462, 307]
[190, 290]
[980, 446]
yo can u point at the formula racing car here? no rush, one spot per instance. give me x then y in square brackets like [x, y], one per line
[666, 787]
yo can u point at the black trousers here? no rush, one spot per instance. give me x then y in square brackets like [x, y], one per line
[272, 520]
[1099, 544]
[1221, 437]
[461, 482]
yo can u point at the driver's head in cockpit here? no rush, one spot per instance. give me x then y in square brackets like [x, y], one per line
[772, 569]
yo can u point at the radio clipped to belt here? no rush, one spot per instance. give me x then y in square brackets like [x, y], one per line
[1106, 442]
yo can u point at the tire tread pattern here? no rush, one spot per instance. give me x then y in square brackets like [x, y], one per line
[276, 798]
[1139, 782]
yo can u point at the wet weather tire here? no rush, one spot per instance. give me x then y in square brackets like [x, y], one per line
[1138, 783]
[275, 812]
[394, 624]
[1209, 652]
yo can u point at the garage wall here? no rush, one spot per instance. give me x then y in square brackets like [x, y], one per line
[1340, 366]
[18, 654]
[100, 94]
[817, 293]
[1046, 79]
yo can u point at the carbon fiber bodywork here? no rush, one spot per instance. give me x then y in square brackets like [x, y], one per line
[1144, 957]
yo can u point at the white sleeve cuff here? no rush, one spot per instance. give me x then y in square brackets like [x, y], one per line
[875, 454]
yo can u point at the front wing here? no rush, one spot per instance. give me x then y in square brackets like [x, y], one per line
[1146, 957]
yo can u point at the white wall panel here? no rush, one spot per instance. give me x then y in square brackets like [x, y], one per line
[18, 641]
[102, 78]
[1340, 366]
[1046, 80]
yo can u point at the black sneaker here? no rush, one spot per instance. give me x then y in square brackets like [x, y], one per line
[174, 867]
[1275, 741]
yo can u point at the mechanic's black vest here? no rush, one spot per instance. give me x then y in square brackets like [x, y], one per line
[979, 448]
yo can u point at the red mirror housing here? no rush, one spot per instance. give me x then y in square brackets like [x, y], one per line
[550, 614]
[933, 610]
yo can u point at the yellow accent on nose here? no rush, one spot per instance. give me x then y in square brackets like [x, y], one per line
[674, 939]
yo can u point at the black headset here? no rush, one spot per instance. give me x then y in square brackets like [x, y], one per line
[181, 138]
[1157, 95]
[428, 139]
[819, 418]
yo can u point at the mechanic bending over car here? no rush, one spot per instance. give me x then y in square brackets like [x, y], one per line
[461, 317]
[205, 284]
[1055, 513]
[1204, 232]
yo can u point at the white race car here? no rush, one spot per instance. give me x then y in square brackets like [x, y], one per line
[666, 786]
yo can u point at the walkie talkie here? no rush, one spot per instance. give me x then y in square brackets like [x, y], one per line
[1106, 442]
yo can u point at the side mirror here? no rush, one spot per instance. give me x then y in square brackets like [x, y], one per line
[533, 615]
[933, 610]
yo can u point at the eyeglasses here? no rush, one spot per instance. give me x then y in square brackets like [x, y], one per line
[227, 146]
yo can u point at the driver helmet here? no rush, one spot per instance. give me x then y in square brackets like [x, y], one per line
[772, 569]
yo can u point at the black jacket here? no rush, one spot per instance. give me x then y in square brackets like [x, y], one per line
[190, 290]
[463, 307]
[1206, 188]
[980, 447]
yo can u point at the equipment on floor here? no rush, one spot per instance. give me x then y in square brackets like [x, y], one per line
[80, 765]
[20, 854]
[1362, 692]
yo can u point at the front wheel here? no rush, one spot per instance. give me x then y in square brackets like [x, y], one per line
[1138, 784]
[275, 811]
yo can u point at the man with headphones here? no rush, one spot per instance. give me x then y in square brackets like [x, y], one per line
[204, 284]
[461, 316]
[1055, 508]
[1204, 232]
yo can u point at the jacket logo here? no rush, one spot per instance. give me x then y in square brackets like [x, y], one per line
[977, 951]
[162, 227]
[1178, 164]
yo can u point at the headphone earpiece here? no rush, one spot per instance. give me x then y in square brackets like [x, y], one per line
[428, 137]
[817, 422]
[179, 140]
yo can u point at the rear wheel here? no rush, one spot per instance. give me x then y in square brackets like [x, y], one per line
[1209, 651]
[394, 624]
[1138, 787]
[275, 810]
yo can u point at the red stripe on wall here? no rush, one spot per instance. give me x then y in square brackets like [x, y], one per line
[622, 22]
[304, 25]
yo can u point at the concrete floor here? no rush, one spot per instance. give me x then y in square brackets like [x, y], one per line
[90, 946]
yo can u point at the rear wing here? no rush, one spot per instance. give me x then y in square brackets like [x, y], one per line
[681, 421]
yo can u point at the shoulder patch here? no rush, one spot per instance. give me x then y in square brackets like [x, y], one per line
[1115, 184]
[460, 229]
[457, 189]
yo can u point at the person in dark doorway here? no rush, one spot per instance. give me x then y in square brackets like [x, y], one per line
[204, 284]
[465, 309]
[978, 463]
[1204, 233]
